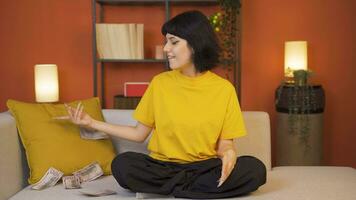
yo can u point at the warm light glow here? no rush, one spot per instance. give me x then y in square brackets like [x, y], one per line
[295, 57]
[46, 83]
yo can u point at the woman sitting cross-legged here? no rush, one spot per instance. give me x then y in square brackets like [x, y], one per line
[195, 117]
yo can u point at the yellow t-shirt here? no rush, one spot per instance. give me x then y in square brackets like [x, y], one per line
[189, 115]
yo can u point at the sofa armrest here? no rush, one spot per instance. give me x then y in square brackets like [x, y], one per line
[257, 142]
[11, 165]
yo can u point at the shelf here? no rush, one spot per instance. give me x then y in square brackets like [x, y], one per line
[142, 2]
[134, 60]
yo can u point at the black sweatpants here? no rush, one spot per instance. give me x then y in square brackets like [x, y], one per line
[198, 180]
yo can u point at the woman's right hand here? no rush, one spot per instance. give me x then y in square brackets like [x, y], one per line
[77, 115]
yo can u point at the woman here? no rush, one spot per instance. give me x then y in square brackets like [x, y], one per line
[194, 115]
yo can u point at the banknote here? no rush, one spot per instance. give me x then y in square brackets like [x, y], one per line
[51, 177]
[71, 182]
[97, 193]
[92, 134]
[89, 172]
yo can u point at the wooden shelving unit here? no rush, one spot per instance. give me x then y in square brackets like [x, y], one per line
[97, 6]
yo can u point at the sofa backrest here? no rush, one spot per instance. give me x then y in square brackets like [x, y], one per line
[124, 117]
[14, 169]
[257, 142]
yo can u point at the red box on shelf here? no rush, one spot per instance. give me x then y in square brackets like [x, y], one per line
[135, 89]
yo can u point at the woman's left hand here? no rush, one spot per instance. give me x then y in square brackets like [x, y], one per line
[228, 163]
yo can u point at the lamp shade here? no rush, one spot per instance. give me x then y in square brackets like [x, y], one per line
[295, 57]
[46, 83]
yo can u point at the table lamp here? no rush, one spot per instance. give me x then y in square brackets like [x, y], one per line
[295, 57]
[46, 83]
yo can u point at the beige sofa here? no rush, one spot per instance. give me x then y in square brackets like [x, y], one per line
[292, 182]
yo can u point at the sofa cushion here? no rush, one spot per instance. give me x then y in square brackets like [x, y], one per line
[59, 193]
[309, 182]
[54, 143]
[292, 183]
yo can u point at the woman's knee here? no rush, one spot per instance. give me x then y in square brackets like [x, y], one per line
[120, 161]
[256, 166]
[120, 166]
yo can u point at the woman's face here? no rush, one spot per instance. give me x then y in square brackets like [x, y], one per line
[179, 53]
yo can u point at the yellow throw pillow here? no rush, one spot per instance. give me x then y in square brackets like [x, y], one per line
[57, 143]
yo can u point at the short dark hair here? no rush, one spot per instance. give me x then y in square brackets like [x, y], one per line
[195, 27]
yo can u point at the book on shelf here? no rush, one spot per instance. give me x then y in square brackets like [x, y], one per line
[140, 54]
[120, 41]
[103, 43]
[133, 40]
[135, 89]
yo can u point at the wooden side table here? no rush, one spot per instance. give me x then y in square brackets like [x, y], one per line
[299, 124]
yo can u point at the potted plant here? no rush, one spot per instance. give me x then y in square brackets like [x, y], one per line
[225, 24]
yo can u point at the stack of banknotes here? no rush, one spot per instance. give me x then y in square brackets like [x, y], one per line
[52, 176]
[89, 134]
